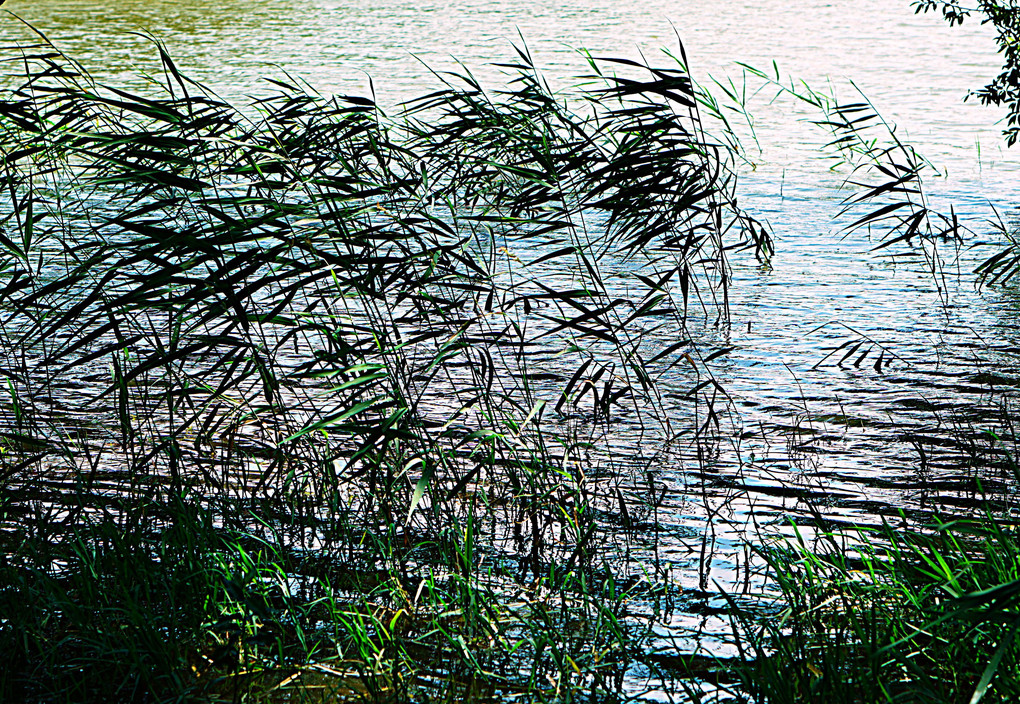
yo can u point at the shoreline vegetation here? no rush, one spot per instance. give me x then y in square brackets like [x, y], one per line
[304, 403]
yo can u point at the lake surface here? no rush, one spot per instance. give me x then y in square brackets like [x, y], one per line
[850, 433]
[915, 67]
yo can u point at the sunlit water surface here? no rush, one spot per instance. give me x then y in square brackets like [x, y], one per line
[850, 434]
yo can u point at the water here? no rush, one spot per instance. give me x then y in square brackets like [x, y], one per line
[850, 435]
[916, 67]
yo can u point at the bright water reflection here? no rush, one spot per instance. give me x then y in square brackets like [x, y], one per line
[914, 65]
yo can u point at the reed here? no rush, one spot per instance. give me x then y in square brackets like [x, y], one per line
[306, 400]
[918, 613]
[310, 402]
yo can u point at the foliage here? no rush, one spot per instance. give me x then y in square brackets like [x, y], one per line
[1003, 265]
[1004, 15]
[885, 175]
[901, 614]
[299, 386]
[309, 402]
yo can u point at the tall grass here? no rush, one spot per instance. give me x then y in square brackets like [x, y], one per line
[903, 614]
[303, 401]
[888, 199]
[307, 399]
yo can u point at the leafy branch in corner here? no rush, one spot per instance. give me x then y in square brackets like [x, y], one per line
[1004, 89]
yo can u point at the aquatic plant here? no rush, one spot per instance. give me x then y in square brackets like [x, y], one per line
[301, 390]
[923, 613]
[885, 175]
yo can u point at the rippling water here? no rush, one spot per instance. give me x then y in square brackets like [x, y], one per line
[852, 434]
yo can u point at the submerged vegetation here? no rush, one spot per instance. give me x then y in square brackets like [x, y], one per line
[308, 402]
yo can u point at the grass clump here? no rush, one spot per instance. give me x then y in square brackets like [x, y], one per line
[306, 402]
[110, 610]
[897, 614]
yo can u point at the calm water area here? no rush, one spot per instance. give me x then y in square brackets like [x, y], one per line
[850, 435]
